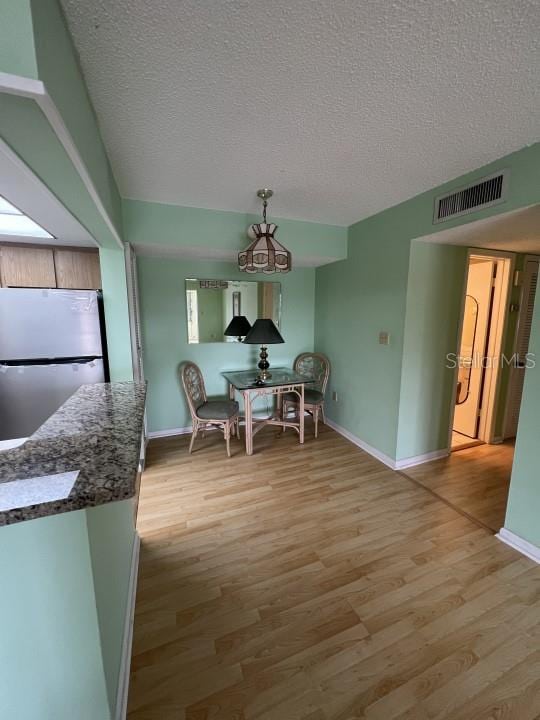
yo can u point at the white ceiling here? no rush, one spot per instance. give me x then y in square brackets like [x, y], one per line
[515, 231]
[342, 107]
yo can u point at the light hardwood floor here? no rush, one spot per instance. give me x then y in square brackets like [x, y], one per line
[460, 441]
[474, 480]
[312, 583]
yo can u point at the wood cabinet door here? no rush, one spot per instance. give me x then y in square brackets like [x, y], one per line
[27, 267]
[77, 269]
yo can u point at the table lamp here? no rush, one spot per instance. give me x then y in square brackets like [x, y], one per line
[263, 333]
[238, 327]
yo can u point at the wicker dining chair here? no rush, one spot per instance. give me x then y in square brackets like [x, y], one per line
[208, 413]
[312, 365]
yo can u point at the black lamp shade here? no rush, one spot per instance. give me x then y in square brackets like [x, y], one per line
[238, 327]
[263, 332]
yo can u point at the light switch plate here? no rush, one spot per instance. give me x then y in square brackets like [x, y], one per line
[335, 396]
[384, 338]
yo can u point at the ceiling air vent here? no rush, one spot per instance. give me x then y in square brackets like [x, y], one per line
[484, 193]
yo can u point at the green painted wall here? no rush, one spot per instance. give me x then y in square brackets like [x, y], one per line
[17, 56]
[63, 603]
[58, 69]
[523, 510]
[50, 655]
[113, 280]
[223, 232]
[111, 534]
[432, 318]
[164, 326]
[357, 298]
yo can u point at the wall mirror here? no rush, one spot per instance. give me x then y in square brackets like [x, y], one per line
[211, 305]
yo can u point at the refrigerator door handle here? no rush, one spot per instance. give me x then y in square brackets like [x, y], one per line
[51, 361]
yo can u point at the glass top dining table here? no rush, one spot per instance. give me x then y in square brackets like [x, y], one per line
[283, 381]
[247, 379]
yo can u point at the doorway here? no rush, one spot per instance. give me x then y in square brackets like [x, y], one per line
[492, 357]
[480, 355]
[475, 479]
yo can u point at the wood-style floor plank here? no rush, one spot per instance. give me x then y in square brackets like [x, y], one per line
[475, 481]
[313, 583]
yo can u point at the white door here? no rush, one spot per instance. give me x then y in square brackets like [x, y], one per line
[517, 371]
[473, 346]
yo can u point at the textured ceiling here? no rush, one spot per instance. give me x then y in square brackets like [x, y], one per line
[342, 107]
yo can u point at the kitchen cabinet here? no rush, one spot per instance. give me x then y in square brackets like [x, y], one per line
[77, 269]
[27, 267]
[49, 267]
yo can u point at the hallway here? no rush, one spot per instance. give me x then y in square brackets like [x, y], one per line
[474, 481]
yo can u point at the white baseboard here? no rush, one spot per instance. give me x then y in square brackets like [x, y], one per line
[125, 662]
[171, 432]
[386, 459]
[419, 459]
[519, 544]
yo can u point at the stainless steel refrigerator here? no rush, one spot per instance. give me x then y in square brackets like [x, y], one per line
[51, 342]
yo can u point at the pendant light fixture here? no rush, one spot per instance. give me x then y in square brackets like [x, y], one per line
[265, 254]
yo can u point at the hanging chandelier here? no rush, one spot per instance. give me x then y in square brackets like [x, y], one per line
[265, 254]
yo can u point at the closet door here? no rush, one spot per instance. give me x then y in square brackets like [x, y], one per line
[517, 373]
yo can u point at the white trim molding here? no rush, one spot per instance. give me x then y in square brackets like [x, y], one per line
[36, 90]
[420, 459]
[386, 459]
[21, 86]
[125, 661]
[171, 432]
[523, 546]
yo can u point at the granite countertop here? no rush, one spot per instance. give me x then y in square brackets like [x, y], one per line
[86, 454]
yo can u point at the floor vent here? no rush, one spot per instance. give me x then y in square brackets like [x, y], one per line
[484, 193]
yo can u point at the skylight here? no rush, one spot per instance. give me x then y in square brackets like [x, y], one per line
[14, 222]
